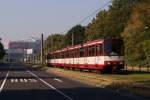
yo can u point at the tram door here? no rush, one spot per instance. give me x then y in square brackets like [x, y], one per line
[91, 55]
[99, 53]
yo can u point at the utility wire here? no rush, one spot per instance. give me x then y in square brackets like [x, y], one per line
[93, 13]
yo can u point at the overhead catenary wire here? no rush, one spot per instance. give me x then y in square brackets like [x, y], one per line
[89, 16]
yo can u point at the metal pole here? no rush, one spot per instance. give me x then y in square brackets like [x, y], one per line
[52, 49]
[72, 39]
[42, 48]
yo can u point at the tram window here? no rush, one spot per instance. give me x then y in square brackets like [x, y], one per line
[91, 50]
[49, 56]
[52, 56]
[99, 50]
[56, 56]
[85, 51]
[60, 54]
[76, 52]
[81, 52]
[72, 53]
[63, 54]
[67, 54]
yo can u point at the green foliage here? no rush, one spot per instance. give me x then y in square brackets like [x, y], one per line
[54, 42]
[146, 49]
[112, 22]
[95, 30]
[2, 51]
[137, 36]
[78, 32]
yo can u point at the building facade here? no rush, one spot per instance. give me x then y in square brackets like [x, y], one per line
[23, 50]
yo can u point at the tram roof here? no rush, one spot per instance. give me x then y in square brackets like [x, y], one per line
[89, 43]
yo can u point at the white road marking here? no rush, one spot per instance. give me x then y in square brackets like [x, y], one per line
[21, 80]
[25, 80]
[16, 80]
[2, 86]
[58, 80]
[32, 80]
[46, 83]
[12, 80]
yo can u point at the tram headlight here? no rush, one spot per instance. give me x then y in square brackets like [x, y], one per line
[107, 63]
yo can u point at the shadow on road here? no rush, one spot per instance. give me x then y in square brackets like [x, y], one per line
[81, 93]
[20, 72]
[17, 67]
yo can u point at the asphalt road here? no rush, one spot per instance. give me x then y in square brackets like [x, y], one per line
[18, 82]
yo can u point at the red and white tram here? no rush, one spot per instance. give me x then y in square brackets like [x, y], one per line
[103, 54]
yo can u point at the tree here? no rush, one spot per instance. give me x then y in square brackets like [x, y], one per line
[95, 30]
[111, 22]
[78, 32]
[137, 35]
[53, 42]
[2, 51]
[118, 15]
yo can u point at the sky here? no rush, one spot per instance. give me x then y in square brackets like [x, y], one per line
[21, 19]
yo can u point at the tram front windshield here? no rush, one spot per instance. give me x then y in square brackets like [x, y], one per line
[113, 47]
